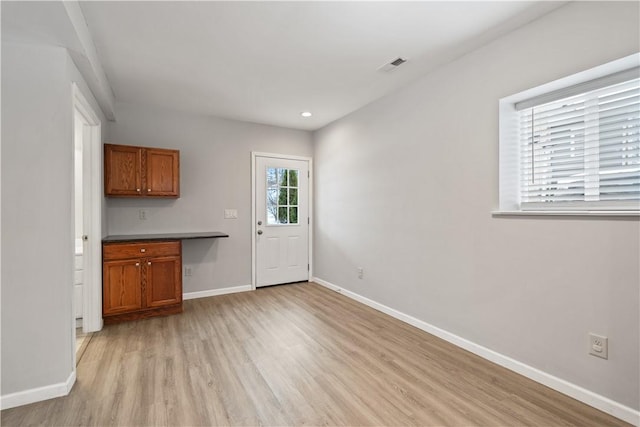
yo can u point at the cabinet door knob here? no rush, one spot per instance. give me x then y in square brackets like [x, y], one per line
[137, 264]
[143, 250]
[148, 262]
[138, 190]
[148, 189]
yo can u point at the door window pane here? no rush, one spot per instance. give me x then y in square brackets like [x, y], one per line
[293, 178]
[282, 215]
[282, 177]
[272, 206]
[293, 215]
[272, 178]
[282, 196]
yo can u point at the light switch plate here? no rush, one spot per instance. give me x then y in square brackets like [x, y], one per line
[230, 214]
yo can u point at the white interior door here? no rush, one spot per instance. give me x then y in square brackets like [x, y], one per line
[80, 173]
[282, 220]
[87, 133]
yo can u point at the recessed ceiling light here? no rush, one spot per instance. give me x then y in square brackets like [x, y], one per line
[306, 114]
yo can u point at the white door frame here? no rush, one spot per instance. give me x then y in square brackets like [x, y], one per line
[92, 208]
[254, 255]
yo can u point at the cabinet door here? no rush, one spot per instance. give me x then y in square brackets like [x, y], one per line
[164, 281]
[122, 175]
[122, 286]
[163, 172]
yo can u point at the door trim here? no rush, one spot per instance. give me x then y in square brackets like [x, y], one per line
[92, 206]
[254, 257]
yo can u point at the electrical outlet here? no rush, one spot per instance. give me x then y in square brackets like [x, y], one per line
[142, 214]
[360, 272]
[598, 346]
[188, 271]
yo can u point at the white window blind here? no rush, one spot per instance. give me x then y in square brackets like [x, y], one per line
[582, 151]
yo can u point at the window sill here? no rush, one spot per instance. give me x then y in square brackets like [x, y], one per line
[629, 214]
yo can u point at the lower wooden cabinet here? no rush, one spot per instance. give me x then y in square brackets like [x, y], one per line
[141, 279]
[122, 287]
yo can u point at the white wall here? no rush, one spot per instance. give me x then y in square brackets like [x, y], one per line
[405, 188]
[215, 164]
[37, 215]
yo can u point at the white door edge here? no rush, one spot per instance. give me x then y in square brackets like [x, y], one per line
[254, 257]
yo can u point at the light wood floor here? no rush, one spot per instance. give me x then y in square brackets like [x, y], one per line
[82, 341]
[292, 355]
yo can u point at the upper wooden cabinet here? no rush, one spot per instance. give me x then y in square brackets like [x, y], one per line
[122, 170]
[141, 171]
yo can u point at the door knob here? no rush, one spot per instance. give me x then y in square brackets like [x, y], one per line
[85, 237]
[259, 231]
[259, 222]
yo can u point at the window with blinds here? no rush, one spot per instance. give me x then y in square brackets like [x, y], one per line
[579, 148]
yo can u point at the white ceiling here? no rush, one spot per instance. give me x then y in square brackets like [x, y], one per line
[266, 62]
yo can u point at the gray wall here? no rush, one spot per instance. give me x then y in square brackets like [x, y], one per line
[37, 215]
[215, 162]
[405, 188]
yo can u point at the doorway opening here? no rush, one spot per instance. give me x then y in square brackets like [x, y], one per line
[87, 226]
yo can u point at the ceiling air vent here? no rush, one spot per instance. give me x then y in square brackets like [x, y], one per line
[387, 68]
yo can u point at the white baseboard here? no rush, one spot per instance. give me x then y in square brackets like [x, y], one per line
[38, 394]
[214, 292]
[602, 403]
